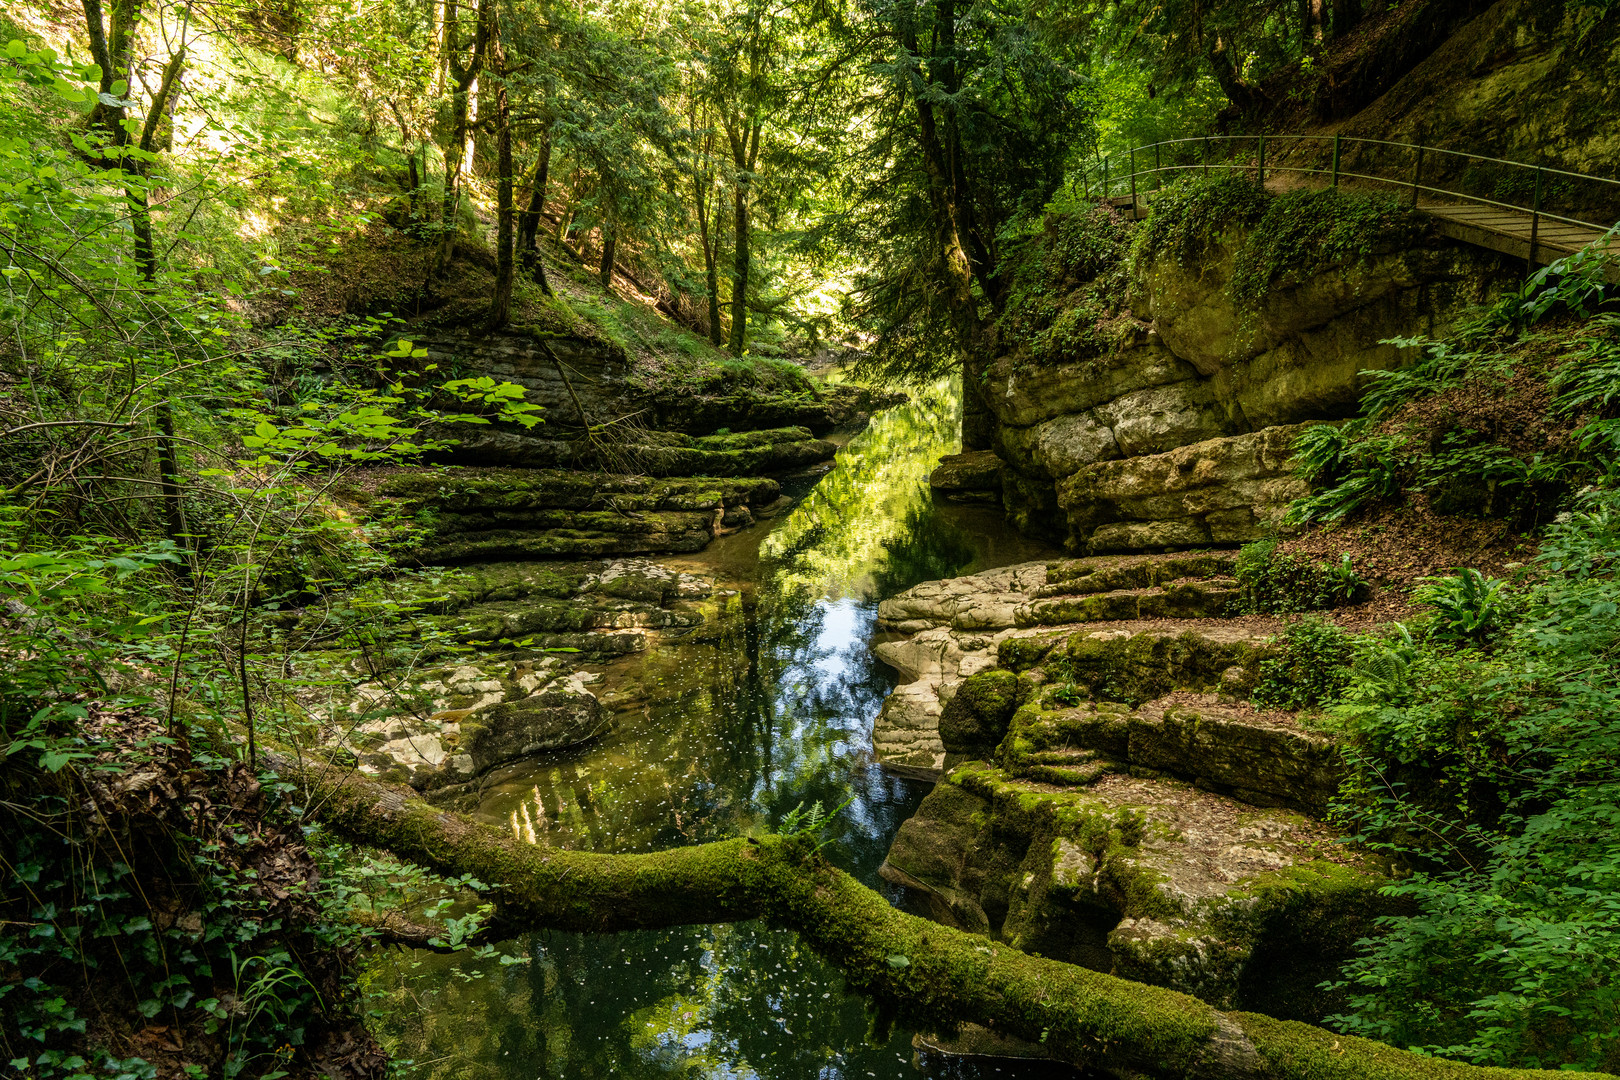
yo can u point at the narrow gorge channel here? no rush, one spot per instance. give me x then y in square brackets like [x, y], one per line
[722, 731]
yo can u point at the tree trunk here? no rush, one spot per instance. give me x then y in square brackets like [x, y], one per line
[739, 271]
[610, 241]
[1347, 16]
[461, 79]
[500, 305]
[711, 268]
[529, 222]
[920, 973]
[111, 48]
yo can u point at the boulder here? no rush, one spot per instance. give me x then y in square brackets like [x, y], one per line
[1149, 879]
[971, 477]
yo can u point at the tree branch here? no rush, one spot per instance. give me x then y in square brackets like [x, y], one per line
[920, 973]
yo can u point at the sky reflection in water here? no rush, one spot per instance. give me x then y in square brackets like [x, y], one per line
[767, 707]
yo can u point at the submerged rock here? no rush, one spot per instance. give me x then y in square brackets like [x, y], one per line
[451, 724]
[971, 477]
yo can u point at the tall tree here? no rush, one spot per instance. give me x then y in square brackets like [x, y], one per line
[462, 74]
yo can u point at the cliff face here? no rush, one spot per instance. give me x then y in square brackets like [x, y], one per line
[1526, 80]
[1167, 420]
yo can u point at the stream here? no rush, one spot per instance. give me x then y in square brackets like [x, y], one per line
[766, 708]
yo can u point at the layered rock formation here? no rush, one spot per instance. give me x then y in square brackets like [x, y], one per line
[719, 423]
[1108, 795]
[438, 725]
[1129, 627]
[1176, 430]
[465, 515]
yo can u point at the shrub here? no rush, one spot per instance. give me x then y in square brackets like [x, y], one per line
[1312, 669]
[1276, 583]
[1496, 777]
[1303, 233]
[1467, 605]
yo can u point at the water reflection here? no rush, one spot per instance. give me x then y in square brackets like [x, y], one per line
[767, 707]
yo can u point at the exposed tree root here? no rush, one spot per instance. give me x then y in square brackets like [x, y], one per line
[918, 972]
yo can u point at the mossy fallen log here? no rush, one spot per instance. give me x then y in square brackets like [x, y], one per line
[918, 972]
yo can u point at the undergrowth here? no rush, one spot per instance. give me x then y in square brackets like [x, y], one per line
[1483, 738]
[1276, 582]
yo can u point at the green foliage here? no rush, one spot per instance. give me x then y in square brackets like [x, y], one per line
[1312, 668]
[1305, 232]
[1467, 605]
[1190, 216]
[1280, 583]
[1485, 466]
[1068, 287]
[1496, 775]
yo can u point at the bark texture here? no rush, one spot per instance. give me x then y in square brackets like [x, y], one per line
[918, 972]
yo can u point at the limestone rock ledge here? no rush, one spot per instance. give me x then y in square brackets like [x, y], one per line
[1127, 628]
[1179, 433]
[466, 515]
[1152, 880]
[449, 725]
[436, 725]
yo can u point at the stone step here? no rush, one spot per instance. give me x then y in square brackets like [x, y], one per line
[1150, 879]
[1065, 768]
[1132, 661]
[1188, 598]
[1109, 573]
[1261, 758]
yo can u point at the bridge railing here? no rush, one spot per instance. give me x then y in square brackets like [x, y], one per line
[1407, 170]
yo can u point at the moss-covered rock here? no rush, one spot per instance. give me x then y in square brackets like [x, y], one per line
[975, 719]
[1152, 879]
[467, 515]
[1259, 758]
[1237, 312]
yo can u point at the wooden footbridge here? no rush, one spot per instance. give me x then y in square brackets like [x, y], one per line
[1529, 212]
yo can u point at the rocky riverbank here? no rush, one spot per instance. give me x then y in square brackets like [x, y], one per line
[1108, 796]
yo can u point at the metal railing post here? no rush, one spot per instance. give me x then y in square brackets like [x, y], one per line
[1158, 175]
[1106, 193]
[1417, 175]
[1260, 171]
[1336, 139]
[1133, 185]
[1206, 155]
[1535, 222]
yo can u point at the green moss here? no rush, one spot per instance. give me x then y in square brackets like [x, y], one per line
[975, 720]
[1084, 1017]
[1191, 216]
[1023, 653]
[1303, 233]
[1068, 288]
[1141, 667]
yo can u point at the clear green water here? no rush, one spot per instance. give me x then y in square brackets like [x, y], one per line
[722, 732]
